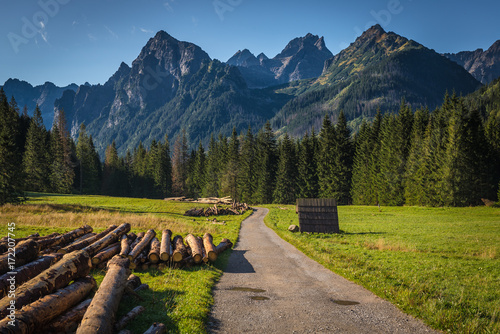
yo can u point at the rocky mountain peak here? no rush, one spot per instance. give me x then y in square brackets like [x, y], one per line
[243, 58]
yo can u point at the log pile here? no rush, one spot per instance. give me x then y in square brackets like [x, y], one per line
[208, 200]
[234, 209]
[53, 283]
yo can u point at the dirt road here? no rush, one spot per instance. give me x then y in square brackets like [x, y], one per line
[271, 287]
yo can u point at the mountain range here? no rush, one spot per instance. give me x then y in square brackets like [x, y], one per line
[174, 85]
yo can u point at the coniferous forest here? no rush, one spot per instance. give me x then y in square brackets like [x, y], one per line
[446, 157]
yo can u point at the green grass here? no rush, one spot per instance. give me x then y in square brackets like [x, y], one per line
[180, 298]
[438, 264]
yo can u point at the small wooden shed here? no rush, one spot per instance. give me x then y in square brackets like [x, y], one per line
[318, 215]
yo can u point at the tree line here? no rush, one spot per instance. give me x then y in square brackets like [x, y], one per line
[449, 157]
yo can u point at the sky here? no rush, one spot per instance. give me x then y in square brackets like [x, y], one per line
[78, 41]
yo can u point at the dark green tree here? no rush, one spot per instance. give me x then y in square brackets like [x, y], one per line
[180, 168]
[343, 161]
[247, 175]
[229, 180]
[36, 158]
[307, 178]
[212, 170]
[62, 166]
[326, 160]
[89, 172]
[266, 165]
[286, 177]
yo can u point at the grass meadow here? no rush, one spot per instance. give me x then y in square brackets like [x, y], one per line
[441, 265]
[181, 299]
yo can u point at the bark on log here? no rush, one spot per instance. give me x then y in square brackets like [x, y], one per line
[24, 252]
[141, 287]
[133, 281]
[134, 313]
[154, 252]
[126, 242]
[224, 244]
[84, 243]
[66, 238]
[83, 237]
[69, 321]
[36, 315]
[150, 234]
[100, 315]
[166, 245]
[4, 242]
[196, 246]
[106, 254]
[27, 272]
[156, 328]
[208, 244]
[180, 250]
[110, 238]
[140, 235]
[72, 266]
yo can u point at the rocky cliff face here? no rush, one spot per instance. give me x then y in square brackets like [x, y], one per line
[483, 65]
[302, 58]
[43, 95]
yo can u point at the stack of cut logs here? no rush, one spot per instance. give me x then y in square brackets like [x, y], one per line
[235, 209]
[208, 200]
[35, 290]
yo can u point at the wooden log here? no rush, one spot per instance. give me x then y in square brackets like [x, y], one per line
[166, 245]
[209, 246]
[100, 315]
[4, 242]
[154, 252]
[84, 243]
[141, 287]
[69, 321]
[39, 313]
[22, 253]
[224, 244]
[140, 235]
[27, 272]
[133, 281]
[125, 331]
[180, 250]
[109, 239]
[156, 328]
[196, 247]
[72, 266]
[106, 254]
[126, 242]
[66, 238]
[134, 313]
[145, 241]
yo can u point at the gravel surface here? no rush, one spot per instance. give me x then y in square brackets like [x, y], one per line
[271, 287]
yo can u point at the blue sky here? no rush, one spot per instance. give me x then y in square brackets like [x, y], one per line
[74, 41]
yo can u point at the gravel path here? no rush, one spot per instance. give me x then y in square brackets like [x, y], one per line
[271, 287]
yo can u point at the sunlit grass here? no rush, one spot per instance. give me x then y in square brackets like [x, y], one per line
[180, 298]
[439, 264]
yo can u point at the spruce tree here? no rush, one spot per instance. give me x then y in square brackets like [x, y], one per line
[36, 157]
[247, 175]
[89, 172]
[200, 170]
[61, 165]
[286, 177]
[229, 181]
[266, 165]
[112, 174]
[212, 170]
[361, 182]
[308, 167]
[180, 160]
[343, 161]
[10, 158]
[326, 160]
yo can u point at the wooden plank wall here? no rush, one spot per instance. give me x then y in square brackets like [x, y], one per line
[318, 215]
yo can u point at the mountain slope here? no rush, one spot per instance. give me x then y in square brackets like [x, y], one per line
[376, 71]
[302, 58]
[483, 65]
[43, 95]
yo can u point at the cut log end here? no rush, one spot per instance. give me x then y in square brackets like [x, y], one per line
[164, 257]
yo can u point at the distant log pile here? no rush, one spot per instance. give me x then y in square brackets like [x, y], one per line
[53, 286]
[208, 200]
[234, 209]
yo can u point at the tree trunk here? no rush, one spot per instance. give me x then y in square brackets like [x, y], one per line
[126, 242]
[224, 244]
[140, 235]
[27, 272]
[150, 234]
[136, 311]
[133, 281]
[24, 252]
[166, 245]
[100, 315]
[69, 321]
[180, 250]
[106, 254]
[156, 328]
[86, 242]
[83, 237]
[66, 238]
[196, 247]
[208, 244]
[110, 238]
[39, 313]
[4, 242]
[154, 253]
[72, 266]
